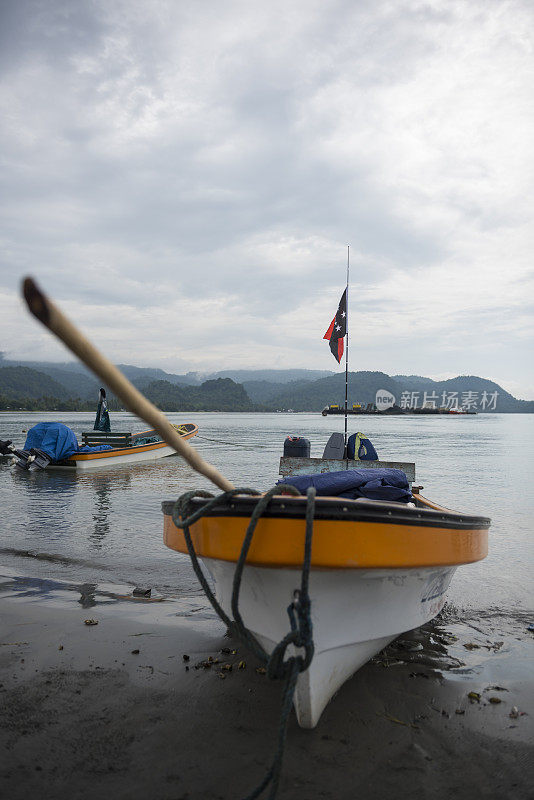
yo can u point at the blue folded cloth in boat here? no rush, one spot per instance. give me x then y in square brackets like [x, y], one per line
[374, 484]
[96, 448]
[53, 438]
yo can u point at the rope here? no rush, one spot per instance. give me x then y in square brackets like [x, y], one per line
[232, 444]
[299, 611]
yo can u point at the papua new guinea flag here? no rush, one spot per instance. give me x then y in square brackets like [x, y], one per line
[338, 329]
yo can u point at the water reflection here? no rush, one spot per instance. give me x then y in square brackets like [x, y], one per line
[453, 646]
[100, 515]
[91, 594]
[87, 595]
[47, 502]
[58, 498]
[427, 646]
[104, 486]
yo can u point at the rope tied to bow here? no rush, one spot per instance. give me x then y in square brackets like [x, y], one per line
[278, 664]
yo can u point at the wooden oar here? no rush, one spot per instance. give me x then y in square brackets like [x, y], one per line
[53, 319]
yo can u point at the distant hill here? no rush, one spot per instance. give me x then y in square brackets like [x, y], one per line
[75, 384]
[265, 391]
[77, 381]
[23, 381]
[221, 394]
[25, 388]
[269, 389]
[271, 375]
[413, 380]
[142, 376]
[471, 389]
[314, 396]
[31, 390]
[477, 393]
[44, 366]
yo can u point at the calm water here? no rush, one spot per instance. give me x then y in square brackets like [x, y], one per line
[106, 526]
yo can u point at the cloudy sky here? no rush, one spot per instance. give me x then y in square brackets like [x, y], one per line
[183, 179]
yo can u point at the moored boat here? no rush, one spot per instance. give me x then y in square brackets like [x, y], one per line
[378, 568]
[143, 446]
[372, 556]
[53, 445]
[57, 448]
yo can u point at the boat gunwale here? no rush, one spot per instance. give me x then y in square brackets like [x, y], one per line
[340, 509]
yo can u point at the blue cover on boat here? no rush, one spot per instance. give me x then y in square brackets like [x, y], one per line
[53, 438]
[374, 484]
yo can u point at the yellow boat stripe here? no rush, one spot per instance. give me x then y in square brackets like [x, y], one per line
[337, 544]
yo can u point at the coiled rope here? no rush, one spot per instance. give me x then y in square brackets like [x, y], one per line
[301, 633]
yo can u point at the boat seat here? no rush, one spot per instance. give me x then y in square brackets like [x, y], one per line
[335, 446]
[92, 438]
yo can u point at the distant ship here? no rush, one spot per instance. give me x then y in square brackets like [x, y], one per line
[370, 408]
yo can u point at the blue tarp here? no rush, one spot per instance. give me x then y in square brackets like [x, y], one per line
[374, 484]
[54, 439]
[57, 441]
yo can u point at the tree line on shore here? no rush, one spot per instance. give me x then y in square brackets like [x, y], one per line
[221, 394]
[27, 389]
[44, 403]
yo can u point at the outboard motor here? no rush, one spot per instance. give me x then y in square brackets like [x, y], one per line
[6, 447]
[296, 447]
[33, 460]
[29, 460]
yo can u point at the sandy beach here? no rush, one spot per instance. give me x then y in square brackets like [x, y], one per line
[113, 709]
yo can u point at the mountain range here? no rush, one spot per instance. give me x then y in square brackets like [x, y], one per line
[248, 390]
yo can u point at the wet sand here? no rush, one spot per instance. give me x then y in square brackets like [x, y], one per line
[113, 710]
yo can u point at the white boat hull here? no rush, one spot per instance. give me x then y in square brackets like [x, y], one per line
[114, 460]
[355, 613]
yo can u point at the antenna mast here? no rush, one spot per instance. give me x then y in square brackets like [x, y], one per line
[347, 350]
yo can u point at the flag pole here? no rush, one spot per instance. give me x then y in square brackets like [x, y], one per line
[347, 350]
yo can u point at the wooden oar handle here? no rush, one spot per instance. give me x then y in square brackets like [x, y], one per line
[52, 318]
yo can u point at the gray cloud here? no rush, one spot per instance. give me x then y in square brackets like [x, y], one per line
[199, 169]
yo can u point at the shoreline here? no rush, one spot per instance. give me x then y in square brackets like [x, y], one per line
[114, 709]
[272, 411]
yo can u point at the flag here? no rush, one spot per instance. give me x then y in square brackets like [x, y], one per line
[338, 329]
[102, 422]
